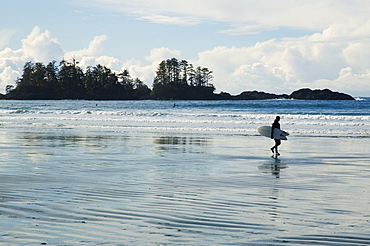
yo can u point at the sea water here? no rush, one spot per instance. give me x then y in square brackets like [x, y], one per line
[183, 173]
[308, 118]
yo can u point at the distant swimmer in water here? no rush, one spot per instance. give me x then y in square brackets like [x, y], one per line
[276, 124]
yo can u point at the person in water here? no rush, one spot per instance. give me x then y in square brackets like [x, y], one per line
[276, 124]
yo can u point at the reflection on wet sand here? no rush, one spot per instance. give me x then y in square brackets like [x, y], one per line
[154, 188]
[273, 168]
[181, 144]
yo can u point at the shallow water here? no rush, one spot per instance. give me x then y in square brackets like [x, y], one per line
[300, 118]
[84, 186]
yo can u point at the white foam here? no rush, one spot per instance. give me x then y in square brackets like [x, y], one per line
[247, 123]
[182, 119]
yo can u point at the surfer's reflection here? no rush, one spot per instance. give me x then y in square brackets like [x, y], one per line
[273, 168]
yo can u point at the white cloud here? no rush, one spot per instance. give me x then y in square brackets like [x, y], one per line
[36, 47]
[91, 55]
[41, 47]
[108, 61]
[8, 74]
[248, 29]
[244, 16]
[332, 59]
[94, 48]
[159, 54]
[163, 19]
[11, 64]
[146, 72]
[336, 58]
[357, 56]
[356, 84]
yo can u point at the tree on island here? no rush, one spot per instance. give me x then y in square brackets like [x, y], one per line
[179, 80]
[174, 80]
[68, 81]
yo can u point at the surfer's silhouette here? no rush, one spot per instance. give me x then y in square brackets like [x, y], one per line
[276, 124]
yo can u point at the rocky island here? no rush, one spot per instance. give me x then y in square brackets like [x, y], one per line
[301, 94]
[174, 80]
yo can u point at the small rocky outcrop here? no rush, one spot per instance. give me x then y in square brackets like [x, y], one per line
[326, 94]
[259, 95]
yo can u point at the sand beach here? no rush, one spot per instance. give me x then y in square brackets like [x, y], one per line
[102, 187]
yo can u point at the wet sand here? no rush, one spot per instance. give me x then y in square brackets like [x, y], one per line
[62, 186]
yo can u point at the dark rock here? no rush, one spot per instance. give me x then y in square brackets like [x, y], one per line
[326, 94]
[258, 95]
[225, 96]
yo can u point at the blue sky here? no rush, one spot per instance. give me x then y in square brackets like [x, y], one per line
[269, 45]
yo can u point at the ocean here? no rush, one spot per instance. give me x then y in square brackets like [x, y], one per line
[77, 172]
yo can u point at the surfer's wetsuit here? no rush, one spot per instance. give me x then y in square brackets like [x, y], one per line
[276, 124]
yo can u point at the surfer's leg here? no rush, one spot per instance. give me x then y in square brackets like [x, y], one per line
[277, 143]
[274, 148]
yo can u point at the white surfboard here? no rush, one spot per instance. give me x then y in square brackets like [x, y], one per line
[278, 134]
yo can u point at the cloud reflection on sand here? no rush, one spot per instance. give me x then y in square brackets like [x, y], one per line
[114, 187]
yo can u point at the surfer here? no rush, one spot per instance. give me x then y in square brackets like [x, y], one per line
[276, 124]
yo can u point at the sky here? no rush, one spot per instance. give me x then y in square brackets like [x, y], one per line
[275, 46]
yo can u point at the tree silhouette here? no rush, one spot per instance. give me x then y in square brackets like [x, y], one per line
[174, 80]
[179, 80]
